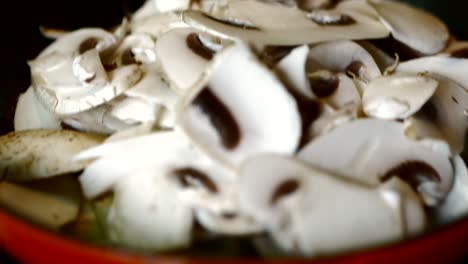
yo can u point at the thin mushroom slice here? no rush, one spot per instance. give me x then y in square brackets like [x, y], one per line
[158, 24]
[397, 96]
[280, 25]
[452, 68]
[31, 114]
[372, 151]
[343, 56]
[381, 58]
[447, 111]
[27, 155]
[134, 111]
[455, 206]
[229, 117]
[309, 212]
[169, 169]
[292, 70]
[184, 56]
[413, 27]
[329, 120]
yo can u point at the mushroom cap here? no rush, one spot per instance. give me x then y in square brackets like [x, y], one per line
[268, 24]
[371, 150]
[30, 114]
[229, 117]
[413, 27]
[343, 56]
[313, 213]
[397, 96]
[27, 155]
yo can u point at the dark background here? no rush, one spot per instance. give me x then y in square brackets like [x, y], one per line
[20, 39]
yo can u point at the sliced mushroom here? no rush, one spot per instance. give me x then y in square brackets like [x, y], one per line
[337, 90]
[192, 181]
[381, 58]
[447, 112]
[413, 27]
[451, 68]
[397, 96]
[455, 206]
[136, 48]
[184, 56]
[372, 151]
[171, 5]
[329, 120]
[292, 70]
[27, 155]
[133, 111]
[230, 117]
[343, 56]
[269, 24]
[157, 24]
[309, 212]
[30, 114]
[43, 208]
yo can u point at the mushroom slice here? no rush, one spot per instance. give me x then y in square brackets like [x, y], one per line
[397, 96]
[447, 110]
[184, 56]
[455, 206]
[229, 116]
[43, 208]
[309, 212]
[372, 150]
[171, 5]
[133, 111]
[343, 56]
[281, 26]
[158, 24]
[30, 114]
[291, 70]
[413, 27]
[157, 170]
[136, 48]
[337, 90]
[381, 58]
[27, 155]
[332, 119]
[449, 67]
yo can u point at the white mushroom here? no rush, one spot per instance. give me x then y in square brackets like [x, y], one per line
[184, 56]
[312, 213]
[133, 111]
[397, 96]
[233, 118]
[28, 155]
[168, 168]
[337, 90]
[455, 206]
[381, 58]
[31, 114]
[447, 111]
[413, 27]
[268, 24]
[69, 76]
[372, 151]
[329, 120]
[157, 24]
[343, 56]
[137, 48]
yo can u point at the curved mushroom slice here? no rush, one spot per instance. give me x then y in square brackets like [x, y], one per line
[448, 112]
[292, 71]
[27, 155]
[381, 58]
[30, 114]
[312, 213]
[158, 24]
[343, 56]
[413, 27]
[269, 24]
[230, 117]
[136, 48]
[184, 56]
[372, 151]
[455, 206]
[332, 119]
[397, 96]
[452, 68]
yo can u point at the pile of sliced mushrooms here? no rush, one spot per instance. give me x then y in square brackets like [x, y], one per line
[304, 126]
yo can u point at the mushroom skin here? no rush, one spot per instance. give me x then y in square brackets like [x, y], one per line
[371, 150]
[27, 155]
[309, 212]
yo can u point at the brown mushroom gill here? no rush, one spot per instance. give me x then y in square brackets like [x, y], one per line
[87, 44]
[128, 58]
[220, 117]
[284, 189]
[324, 86]
[413, 172]
[461, 53]
[187, 177]
[272, 55]
[355, 68]
[391, 46]
[194, 44]
[232, 24]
